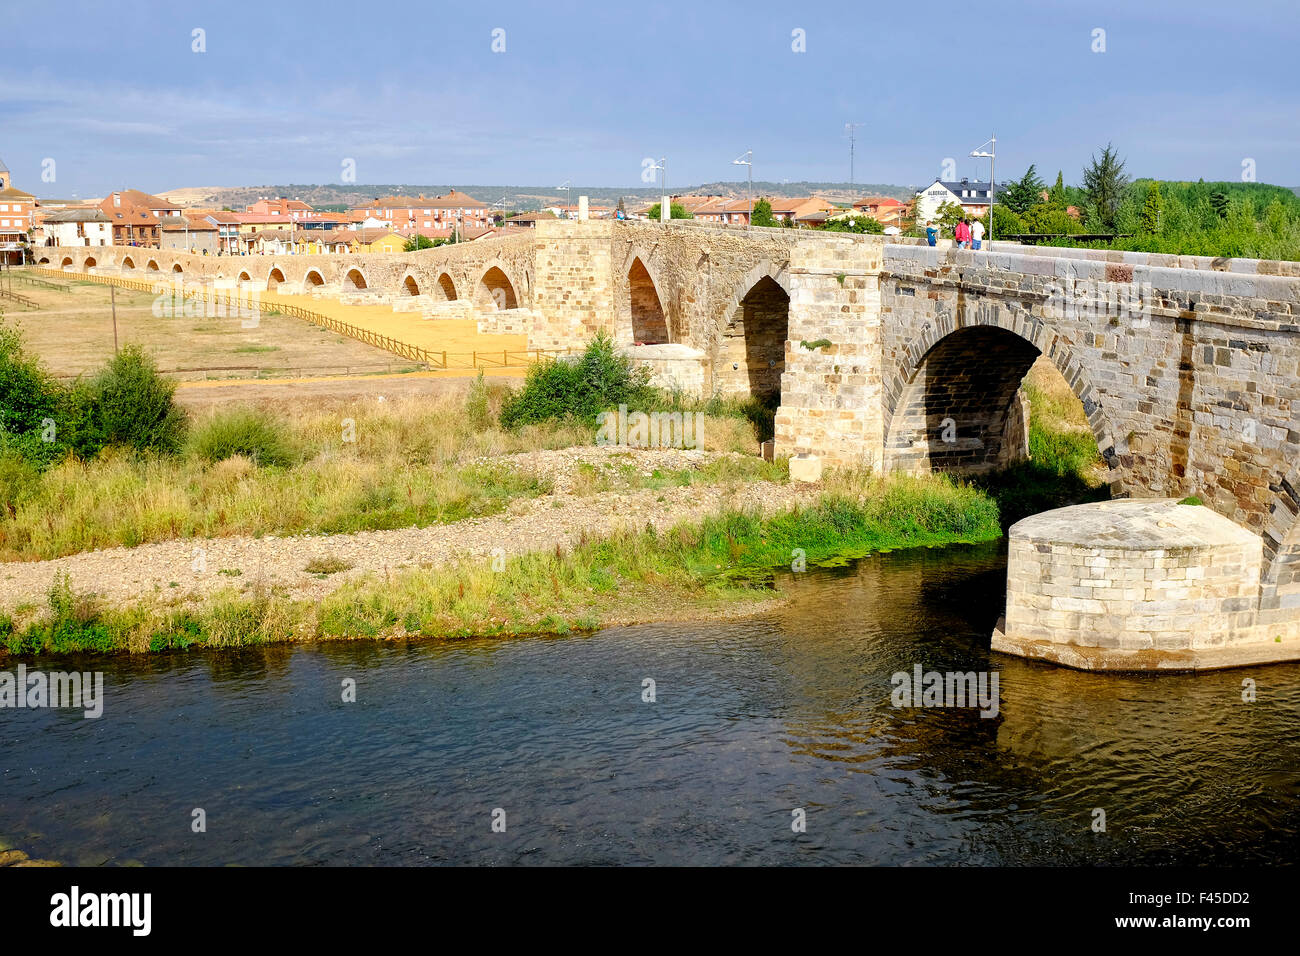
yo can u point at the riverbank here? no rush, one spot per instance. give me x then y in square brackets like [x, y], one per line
[654, 567]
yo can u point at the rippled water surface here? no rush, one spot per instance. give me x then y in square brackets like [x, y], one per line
[752, 719]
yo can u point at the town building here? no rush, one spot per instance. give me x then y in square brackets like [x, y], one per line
[528, 220]
[16, 219]
[77, 227]
[228, 225]
[281, 208]
[453, 209]
[190, 233]
[971, 195]
[137, 217]
[799, 209]
[883, 209]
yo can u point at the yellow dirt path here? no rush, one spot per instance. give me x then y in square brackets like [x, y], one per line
[451, 335]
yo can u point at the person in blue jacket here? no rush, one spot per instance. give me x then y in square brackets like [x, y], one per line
[931, 233]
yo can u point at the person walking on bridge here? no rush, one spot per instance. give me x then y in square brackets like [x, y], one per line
[961, 234]
[976, 234]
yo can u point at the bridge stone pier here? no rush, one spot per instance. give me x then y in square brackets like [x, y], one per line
[906, 358]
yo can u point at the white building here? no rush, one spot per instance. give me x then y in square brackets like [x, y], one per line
[78, 227]
[973, 197]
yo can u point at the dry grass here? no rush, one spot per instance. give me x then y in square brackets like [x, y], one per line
[410, 463]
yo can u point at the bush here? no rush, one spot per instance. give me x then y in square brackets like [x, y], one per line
[243, 431]
[19, 478]
[477, 411]
[127, 403]
[30, 402]
[600, 380]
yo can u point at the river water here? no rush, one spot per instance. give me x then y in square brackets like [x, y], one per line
[751, 721]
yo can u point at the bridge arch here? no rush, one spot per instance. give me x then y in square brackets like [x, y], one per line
[274, 278]
[953, 403]
[128, 262]
[356, 279]
[177, 268]
[410, 286]
[447, 286]
[87, 265]
[43, 260]
[66, 263]
[496, 290]
[151, 265]
[647, 320]
[754, 334]
[244, 276]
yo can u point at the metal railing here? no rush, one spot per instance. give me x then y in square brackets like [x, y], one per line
[433, 359]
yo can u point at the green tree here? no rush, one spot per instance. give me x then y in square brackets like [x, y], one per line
[1219, 202]
[1056, 197]
[858, 222]
[947, 215]
[1005, 222]
[1023, 192]
[418, 242]
[1105, 183]
[1151, 210]
[762, 215]
[675, 211]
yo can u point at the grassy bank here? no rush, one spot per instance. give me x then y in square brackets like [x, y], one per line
[701, 569]
[339, 467]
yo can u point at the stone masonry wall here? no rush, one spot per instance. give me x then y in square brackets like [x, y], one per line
[831, 396]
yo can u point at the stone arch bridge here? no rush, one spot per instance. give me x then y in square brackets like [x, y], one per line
[895, 355]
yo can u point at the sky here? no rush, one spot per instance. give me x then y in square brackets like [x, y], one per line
[100, 96]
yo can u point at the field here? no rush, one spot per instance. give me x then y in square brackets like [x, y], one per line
[72, 332]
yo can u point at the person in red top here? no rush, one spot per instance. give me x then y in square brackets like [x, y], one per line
[962, 234]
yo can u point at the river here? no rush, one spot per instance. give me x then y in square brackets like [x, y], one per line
[751, 720]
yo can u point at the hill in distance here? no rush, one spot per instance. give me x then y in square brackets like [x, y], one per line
[512, 197]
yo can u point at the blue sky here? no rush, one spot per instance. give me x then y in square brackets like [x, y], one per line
[287, 91]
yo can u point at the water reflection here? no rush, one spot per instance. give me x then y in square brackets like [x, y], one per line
[752, 719]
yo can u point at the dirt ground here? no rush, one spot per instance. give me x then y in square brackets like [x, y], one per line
[72, 332]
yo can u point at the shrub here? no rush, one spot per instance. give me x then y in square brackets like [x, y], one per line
[30, 402]
[243, 431]
[128, 403]
[476, 403]
[19, 478]
[601, 379]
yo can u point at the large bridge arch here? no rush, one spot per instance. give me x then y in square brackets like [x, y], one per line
[409, 286]
[355, 280]
[953, 401]
[642, 310]
[497, 289]
[447, 287]
[178, 268]
[151, 265]
[313, 280]
[274, 278]
[128, 262]
[88, 264]
[754, 332]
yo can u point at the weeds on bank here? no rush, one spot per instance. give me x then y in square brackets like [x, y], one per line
[692, 566]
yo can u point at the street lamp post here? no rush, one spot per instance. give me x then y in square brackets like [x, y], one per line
[568, 197]
[991, 154]
[747, 159]
[664, 211]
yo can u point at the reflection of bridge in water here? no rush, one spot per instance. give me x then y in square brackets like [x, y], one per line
[898, 356]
